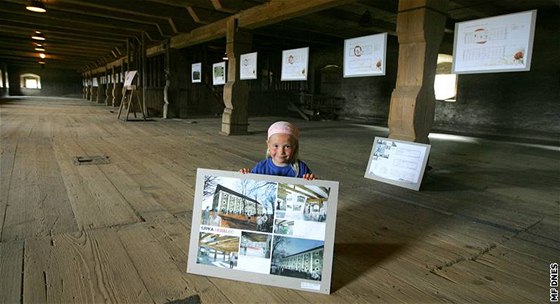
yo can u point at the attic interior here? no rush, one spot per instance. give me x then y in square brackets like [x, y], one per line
[482, 228]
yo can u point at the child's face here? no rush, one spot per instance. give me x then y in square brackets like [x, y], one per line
[281, 148]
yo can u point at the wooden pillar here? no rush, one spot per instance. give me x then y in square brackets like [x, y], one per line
[235, 119]
[420, 28]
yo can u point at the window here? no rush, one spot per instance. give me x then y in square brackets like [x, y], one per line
[30, 81]
[445, 84]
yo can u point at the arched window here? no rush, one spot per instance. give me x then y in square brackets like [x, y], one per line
[30, 81]
[445, 84]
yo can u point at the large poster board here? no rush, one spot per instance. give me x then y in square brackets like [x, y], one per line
[248, 66]
[365, 56]
[263, 229]
[219, 73]
[294, 64]
[196, 72]
[397, 162]
[497, 44]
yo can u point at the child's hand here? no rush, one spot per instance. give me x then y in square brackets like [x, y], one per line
[309, 176]
[245, 170]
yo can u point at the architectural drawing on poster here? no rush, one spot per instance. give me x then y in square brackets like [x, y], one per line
[365, 56]
[263, 229]
[496, 44]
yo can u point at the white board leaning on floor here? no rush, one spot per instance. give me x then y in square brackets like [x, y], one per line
[497, 44]
[263, 229]
[397, 162]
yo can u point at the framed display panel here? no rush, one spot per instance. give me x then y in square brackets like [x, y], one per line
[129, 77]
[497, 44]
[365, 56]
[219, 73]
[397, 162]
[196, 72]
[94, 82]
[294, 64]
[248, 66]
[263, 229]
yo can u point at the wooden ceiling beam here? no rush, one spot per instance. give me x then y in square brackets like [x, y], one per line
[255, 17]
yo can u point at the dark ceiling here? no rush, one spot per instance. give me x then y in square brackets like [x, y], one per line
[87, 33]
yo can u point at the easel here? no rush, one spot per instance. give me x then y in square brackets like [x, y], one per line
[129, 92]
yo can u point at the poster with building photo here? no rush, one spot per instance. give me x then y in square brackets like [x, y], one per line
[497, 44]
[398, 162]
[263, 229]
[248, 66]
[219, 73]
[294, 64]
[365, 56]
[196, 72]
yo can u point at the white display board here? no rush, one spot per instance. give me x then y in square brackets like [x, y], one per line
[294, 64]
[397, 162]
[129, 77]
[496, 44]
[196, 72]
[248, 66]
[365, 56]
[219, 73]
[263, 229]
[94, 82]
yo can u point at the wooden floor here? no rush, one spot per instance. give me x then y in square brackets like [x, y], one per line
[484, 227]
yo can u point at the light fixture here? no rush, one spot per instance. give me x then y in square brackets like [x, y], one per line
[225, 57]
[36, 6]
[42, 55]
[38, 36]
[42, 61]
[40, 48]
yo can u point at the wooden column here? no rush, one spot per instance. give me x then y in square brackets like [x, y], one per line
[235, 119]
[420, 27]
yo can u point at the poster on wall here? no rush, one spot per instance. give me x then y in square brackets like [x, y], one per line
[263, 229]
[397, 162]
[196, 72]
[94, 82]
[219, 73]
[365, 56]
[294, 64]
[497, 44]
[129, 77]
[248, 66]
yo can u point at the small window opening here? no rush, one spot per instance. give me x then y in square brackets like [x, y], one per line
[30, 81]
[445, 84]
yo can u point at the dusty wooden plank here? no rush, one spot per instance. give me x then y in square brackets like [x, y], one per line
[11, 265]
[95, 200]
[7, 157]
[123, 175]
[163, 280]
[37, 204]
[168, 188]
[85, 267]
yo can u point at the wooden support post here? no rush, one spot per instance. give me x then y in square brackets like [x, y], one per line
[420, 28]
[235, 119]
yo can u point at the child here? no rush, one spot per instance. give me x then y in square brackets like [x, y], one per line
[282, 153]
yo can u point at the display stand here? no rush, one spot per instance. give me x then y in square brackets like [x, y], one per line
[129, 97]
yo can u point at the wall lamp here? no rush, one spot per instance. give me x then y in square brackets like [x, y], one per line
[36, 6]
